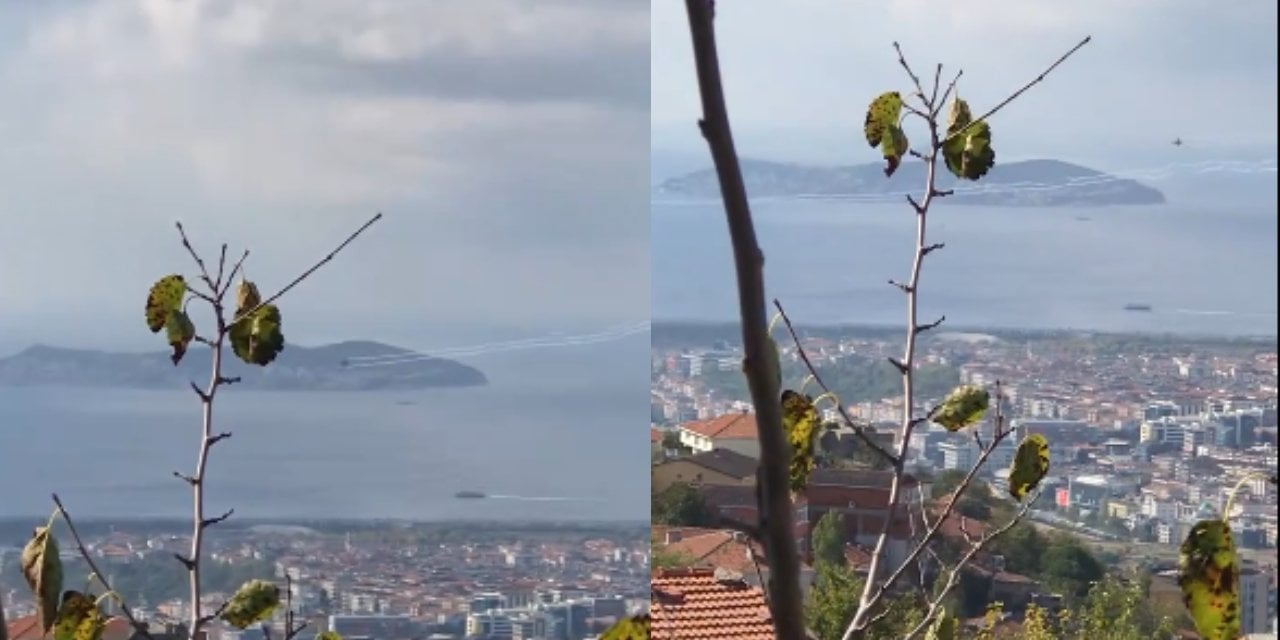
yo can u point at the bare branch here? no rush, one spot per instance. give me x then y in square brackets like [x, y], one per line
[930, 325]
[915, 205]
[942, 193]
[858, 429]
[901, 287]
[236, 269]
[775, 502]
[937, 106]
[204, 397]
[222, 265]
[899, 365]
[209, 522]
[212, 440]
[217, 612]
[204, 273]
[931, 248]
[914, 78]
[138, 626]
[953, 577]
[1019, 92]
[228, 380]
[937, 83]
[305, 274]
[184, 477]
[186, 562]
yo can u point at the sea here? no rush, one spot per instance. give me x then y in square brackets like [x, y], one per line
[557, 435]
[1205, 270]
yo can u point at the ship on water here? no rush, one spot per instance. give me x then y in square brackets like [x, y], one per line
[469, 495]
[1134, 306]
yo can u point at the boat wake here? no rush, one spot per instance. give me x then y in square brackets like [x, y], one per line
[543, 498]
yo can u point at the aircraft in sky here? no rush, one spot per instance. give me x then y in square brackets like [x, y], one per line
[1177, 142]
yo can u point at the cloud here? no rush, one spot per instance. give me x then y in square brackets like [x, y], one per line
[798, 80]
[506, 141]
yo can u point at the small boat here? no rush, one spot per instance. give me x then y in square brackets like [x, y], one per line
[1133, 306]
[469, 495]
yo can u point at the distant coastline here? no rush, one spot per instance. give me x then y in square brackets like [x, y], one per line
[676, 333]
[343, 366]
[1026, 183]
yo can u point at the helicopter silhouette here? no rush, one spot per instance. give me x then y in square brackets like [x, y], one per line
[1177, 142]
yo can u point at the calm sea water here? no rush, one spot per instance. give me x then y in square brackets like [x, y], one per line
[1203, 270]
[560, 432]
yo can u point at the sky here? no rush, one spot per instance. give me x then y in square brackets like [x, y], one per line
[798, 79]
[506, 143]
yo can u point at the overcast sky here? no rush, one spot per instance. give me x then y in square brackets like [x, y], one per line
[800, 73]
[506, 141]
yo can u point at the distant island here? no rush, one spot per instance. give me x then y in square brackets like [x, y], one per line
[334, 367]
[1027, 183]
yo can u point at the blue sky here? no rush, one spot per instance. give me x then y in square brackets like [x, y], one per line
[505, 141]
[799, 75]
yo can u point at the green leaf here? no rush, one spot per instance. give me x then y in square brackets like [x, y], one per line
[257, 338]
[328, 635]
[165, 298]
[962, 407]
[253, 602]
[1209, 574]
[1030, 465]
[180, 332]
[943, 628]
[42, 569]
[79, 618]
[969, 154]
[800, 420]
[882, 130]
[633, 628]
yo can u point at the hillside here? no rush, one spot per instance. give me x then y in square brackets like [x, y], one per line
[1029, 183]
[334, 367]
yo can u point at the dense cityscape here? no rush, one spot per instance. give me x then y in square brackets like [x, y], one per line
[1147, 435]
[387, 581]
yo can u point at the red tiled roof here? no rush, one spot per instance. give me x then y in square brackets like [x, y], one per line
[733, 425]
[692, 604]
[718, 548]
[655, 435]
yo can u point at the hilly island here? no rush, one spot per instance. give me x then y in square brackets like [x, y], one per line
[1026, 183]
[344, 366]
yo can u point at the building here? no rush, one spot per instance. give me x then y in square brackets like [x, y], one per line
[735, 431]
[1257, 599]
[862, 498]
[703, 603]
[718, 466]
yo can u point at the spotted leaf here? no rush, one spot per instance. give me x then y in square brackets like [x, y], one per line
[164, 298]
[962, 407]
[253, 602]
[79, 618]
[633, 628]
[42, 569]
[800, 421]
[1209, 575]
[1030, 465]
[967, 150]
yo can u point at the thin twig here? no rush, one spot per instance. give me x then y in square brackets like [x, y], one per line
[760, 360]
[323, 261]
[204, 273]
[858, 429]
[1019, 92]
[937, 105]
[953, 577]
[914, 78]
[140, 627]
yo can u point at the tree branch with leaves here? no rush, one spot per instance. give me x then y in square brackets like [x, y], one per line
[253, 332]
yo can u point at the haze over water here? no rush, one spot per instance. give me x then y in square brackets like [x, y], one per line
[551, 424]
[1204, 270]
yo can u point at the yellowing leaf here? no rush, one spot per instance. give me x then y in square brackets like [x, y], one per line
[967, 150]
[42, 569]
[1209, 575]
[1030, 465]
[800, 420]
[180, 332]
[943, 628]
[253, 602]
[962, 407]
[246, 297]
[328, 635]
[881, 129]
[165, 298]
[257, 338]
[633, 628]
[79, 618]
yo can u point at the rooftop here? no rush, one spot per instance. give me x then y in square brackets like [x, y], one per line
[699, 604]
